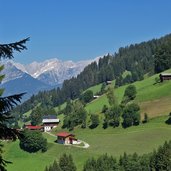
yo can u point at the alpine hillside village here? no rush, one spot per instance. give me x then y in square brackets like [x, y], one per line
[85, 85]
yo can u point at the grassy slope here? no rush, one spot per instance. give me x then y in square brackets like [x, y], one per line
[95, 89]
[149, 96]
[114, 141]
[61, 107]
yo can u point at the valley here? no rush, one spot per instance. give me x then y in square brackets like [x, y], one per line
[118, 104]
[142, 139]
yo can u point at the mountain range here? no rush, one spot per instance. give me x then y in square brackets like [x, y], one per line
[37, 76]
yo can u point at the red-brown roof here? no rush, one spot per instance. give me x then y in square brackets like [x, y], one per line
[64, 134]
[33, 127]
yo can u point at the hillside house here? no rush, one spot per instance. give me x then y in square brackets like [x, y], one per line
[50, 122]
[165, 76]
[66, 138]
[31, 127]
[96, 96]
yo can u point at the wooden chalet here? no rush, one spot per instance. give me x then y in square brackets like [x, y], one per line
[165, 76]
[49, 122]
[66, 138]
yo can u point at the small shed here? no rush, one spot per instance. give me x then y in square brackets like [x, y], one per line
[165, 76]
[96, 96]
[66, 138]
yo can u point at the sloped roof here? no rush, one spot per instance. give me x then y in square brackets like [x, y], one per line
[165, 74]
[49, 117]
[64, 134]
[33, 127]
[50, 120]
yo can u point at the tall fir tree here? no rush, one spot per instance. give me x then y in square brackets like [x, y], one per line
[7, 103]
[66, 163]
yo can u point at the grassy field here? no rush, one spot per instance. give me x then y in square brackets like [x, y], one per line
[114, 141]
[95, 89]
[61, 107]
[27, 113]
[149, 96]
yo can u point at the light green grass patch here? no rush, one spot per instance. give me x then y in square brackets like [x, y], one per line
[60, 107]
[27, 114]
[95, 89]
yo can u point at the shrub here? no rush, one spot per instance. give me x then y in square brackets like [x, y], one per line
[33, 141]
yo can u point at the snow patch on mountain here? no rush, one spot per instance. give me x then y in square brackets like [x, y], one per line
[10, 71]
[52, 72]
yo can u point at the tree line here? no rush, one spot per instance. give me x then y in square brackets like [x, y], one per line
[126, 113]
[158, 160]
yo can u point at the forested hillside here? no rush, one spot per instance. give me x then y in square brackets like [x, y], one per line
[139, 59]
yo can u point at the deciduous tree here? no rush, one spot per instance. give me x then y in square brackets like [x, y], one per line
[94, 121]
[112, 116]
[129, 94]
[111, 97]
[87, 96]
[131, 115]
[33, 141]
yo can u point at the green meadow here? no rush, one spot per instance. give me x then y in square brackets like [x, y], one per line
[113, 141]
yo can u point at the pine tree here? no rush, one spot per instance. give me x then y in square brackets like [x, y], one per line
[162, 57]
[90, 165]
[7, 103]
[66, 163]
[36, 116]
[46, 168]
[56, 166]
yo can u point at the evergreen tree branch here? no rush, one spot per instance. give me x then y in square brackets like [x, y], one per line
[7, 103]
[6, 50]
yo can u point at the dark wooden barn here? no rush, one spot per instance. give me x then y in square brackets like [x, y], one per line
[165, 76]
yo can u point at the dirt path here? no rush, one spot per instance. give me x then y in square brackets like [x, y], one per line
[51, 134]
[86, 145]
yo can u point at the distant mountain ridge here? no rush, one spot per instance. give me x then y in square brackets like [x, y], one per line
[25, 84]
[51, 72]
[37, 76]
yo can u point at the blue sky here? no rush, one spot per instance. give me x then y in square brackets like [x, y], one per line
[81, 29]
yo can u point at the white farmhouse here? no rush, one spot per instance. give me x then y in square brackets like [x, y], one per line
[49, 122]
